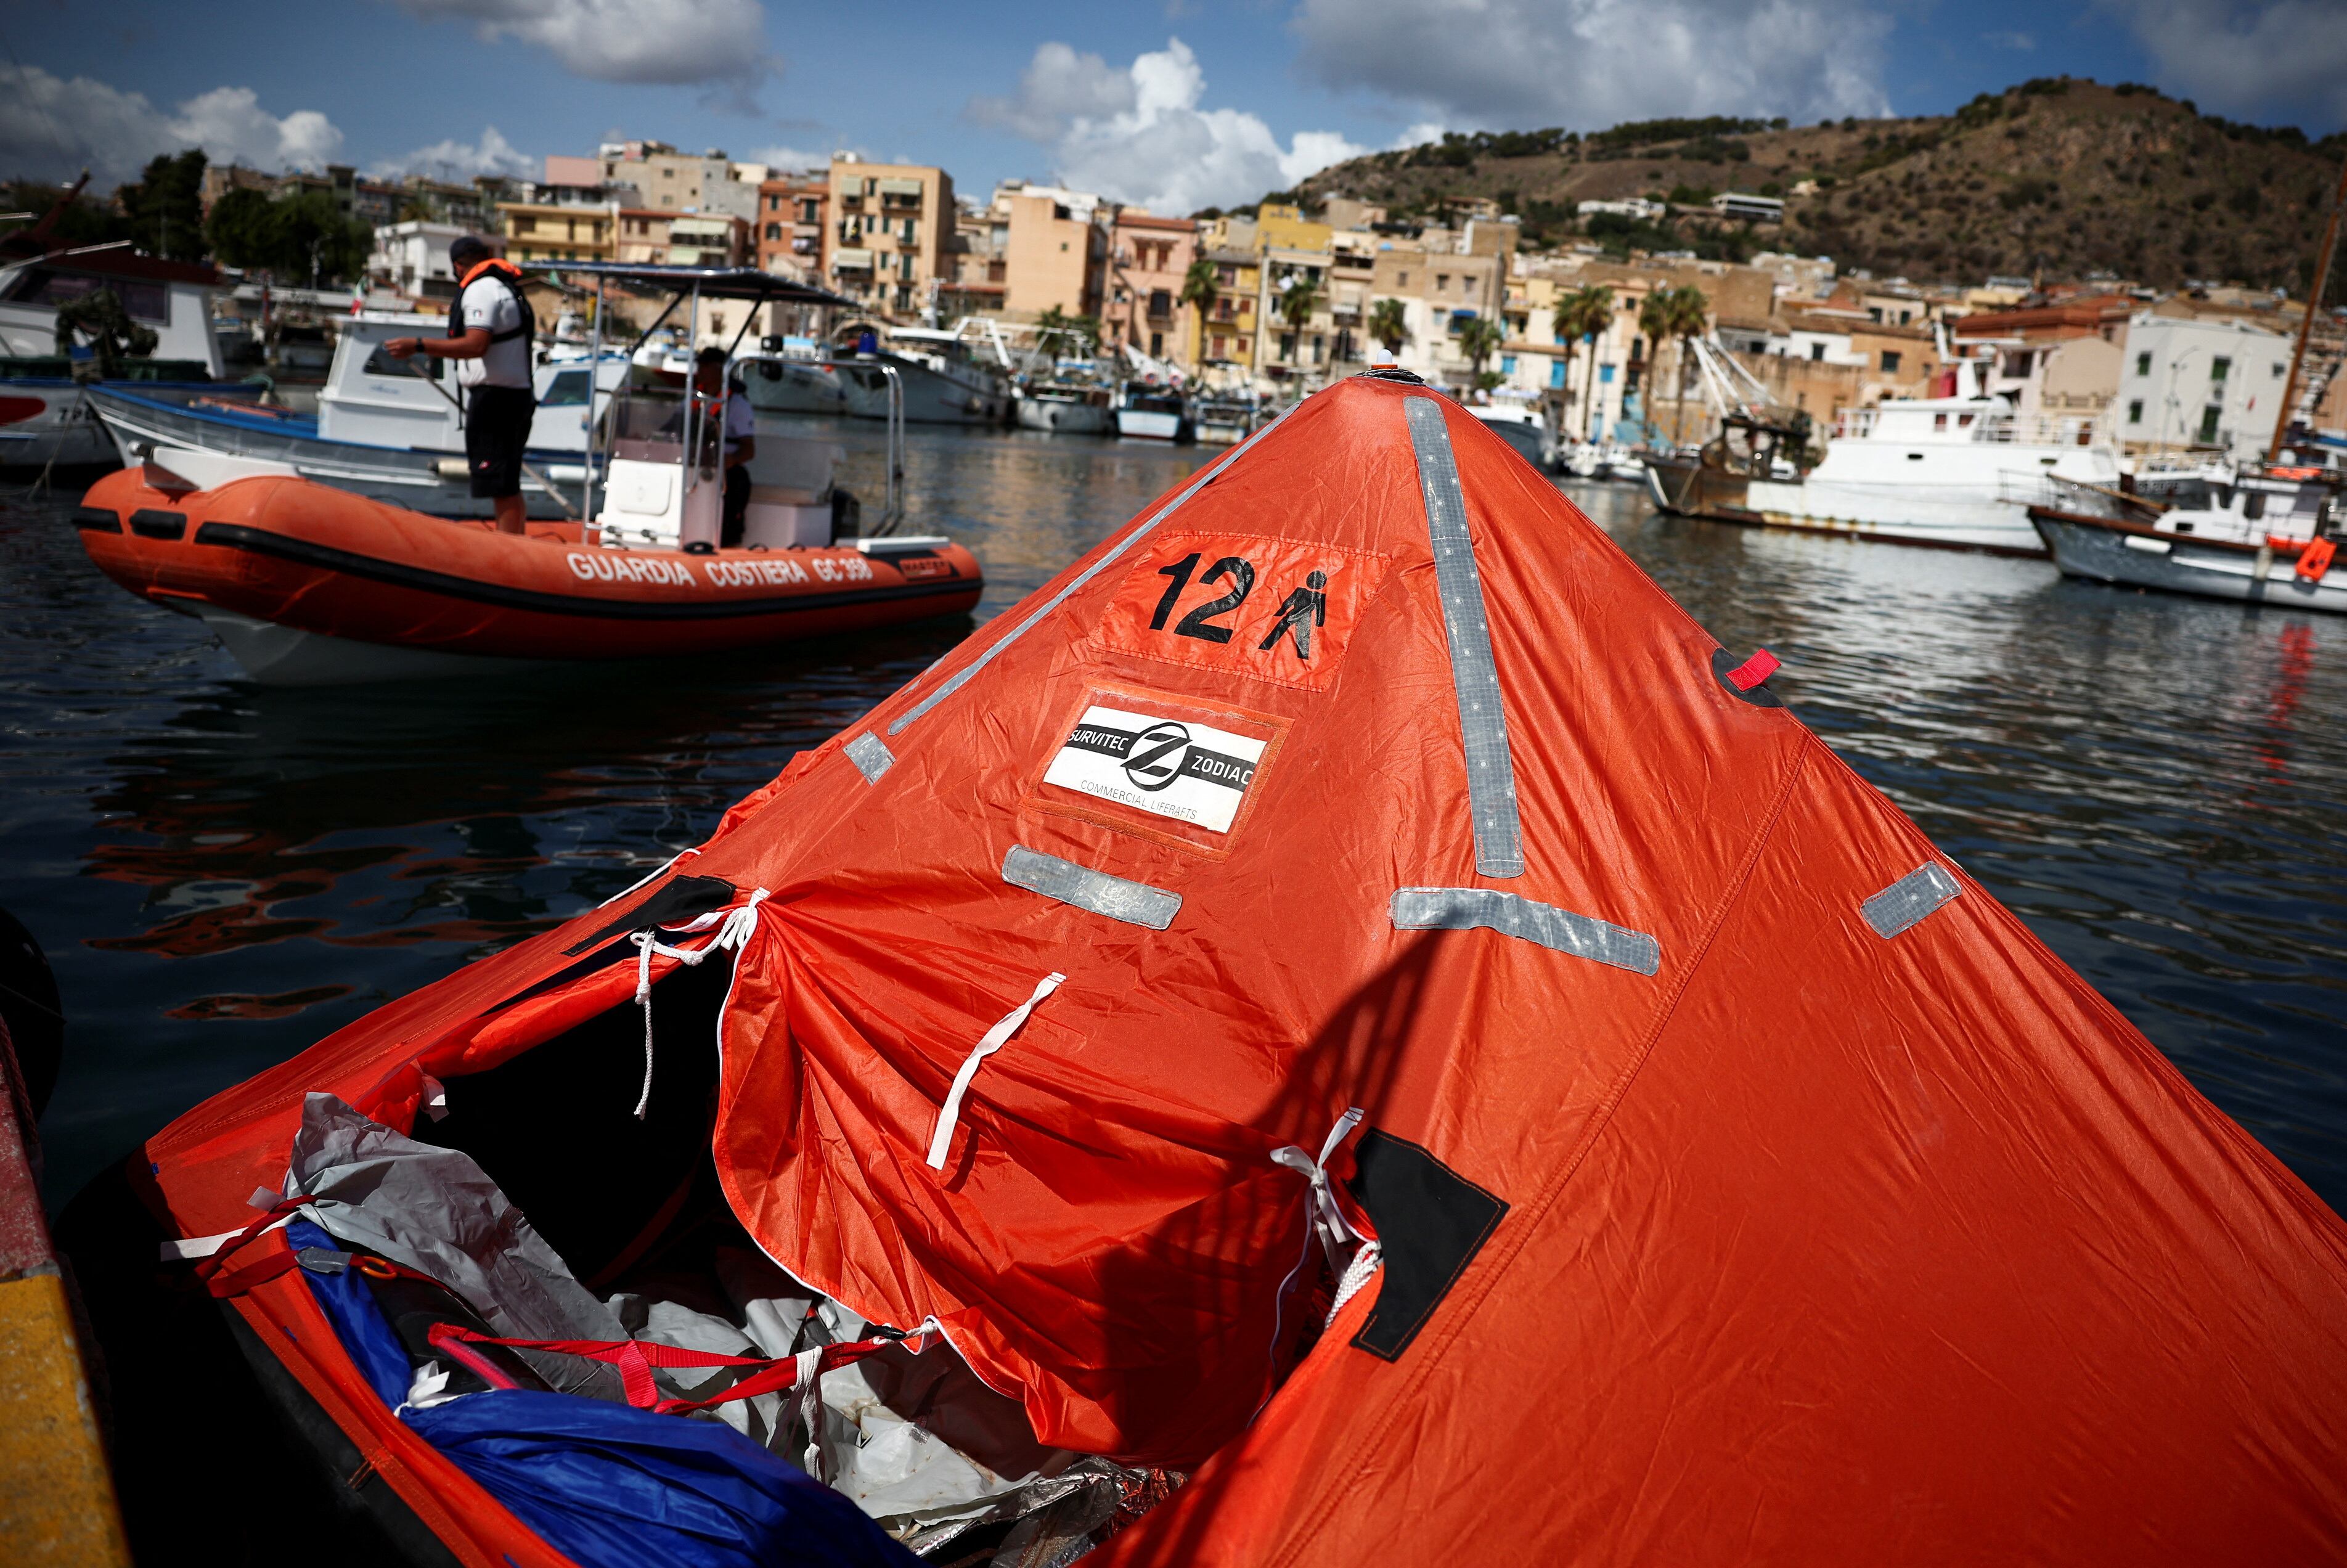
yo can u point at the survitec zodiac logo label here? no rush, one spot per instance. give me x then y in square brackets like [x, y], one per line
[1191, 772]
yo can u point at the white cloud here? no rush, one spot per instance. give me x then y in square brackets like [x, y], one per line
[714, 44]
[1419, 135]
[453, 160]
[52, 126]
[1588, 63]
[2256, 62]
[1139, 135]
[788, 160]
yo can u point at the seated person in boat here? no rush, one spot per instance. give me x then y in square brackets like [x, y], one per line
[491, 328]
[739, 421]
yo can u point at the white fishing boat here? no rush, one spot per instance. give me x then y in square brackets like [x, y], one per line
[385, 428]
[1932, 471]
[2270, 537]
[1065, 407]
[1153, 414]
[1521, 428]
[44, 418]
[791, 376]
[1221, 421]
[945, 380]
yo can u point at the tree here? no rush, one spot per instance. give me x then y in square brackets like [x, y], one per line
[165, 207]
[1202, 285]
[1084, 330]
[1389, 324]
[239, 228]
[1680, 312]
[1298, 298]
[1478, 339]
[1582, 315]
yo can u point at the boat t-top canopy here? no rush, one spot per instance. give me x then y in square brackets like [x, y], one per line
[710, 283]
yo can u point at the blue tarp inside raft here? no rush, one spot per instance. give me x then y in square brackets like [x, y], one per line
[607, 1485]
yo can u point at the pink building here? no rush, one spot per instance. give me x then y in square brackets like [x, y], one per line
[1148, 258]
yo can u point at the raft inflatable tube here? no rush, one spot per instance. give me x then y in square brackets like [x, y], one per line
[310, 585]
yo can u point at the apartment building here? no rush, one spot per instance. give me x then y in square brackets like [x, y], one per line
[1055, 251]
[412, 258]
[644, 236]
[1148, 261]
[1227, 327]
[1441, 291]
[537, 233]
[888, 239]
[981, 266]
[708, 240]
[792, 210]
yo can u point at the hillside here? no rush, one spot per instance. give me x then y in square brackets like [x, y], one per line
[2057, 176]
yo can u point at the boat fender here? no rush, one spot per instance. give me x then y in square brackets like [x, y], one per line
[1748, 681]
[2314, 561]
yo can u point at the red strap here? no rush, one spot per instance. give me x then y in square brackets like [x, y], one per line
[236, 1282]
[635, 1358]
[1753, 670]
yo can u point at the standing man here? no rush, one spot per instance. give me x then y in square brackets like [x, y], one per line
[739, 421]
[491, 330]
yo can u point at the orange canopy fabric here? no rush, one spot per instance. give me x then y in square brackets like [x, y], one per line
[1751, 1186]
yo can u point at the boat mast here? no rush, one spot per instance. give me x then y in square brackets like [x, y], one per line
[2306, 325]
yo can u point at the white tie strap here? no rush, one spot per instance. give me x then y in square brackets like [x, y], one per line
[1327, 1219]
[941, 1136]
[739, 924]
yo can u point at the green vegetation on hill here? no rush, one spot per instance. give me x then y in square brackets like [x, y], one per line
[2057, 176]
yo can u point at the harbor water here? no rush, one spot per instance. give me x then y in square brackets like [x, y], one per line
[223, 874]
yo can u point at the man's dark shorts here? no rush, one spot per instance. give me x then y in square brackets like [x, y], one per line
[496, 430]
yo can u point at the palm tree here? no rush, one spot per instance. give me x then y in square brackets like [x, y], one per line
[1479, 340]
[1299, 296]
[1588, 313]
[1683, 314]
[1655, 324]
[1202, 285]
[1389, 324]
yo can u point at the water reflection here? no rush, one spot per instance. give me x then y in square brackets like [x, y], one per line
[224, 874]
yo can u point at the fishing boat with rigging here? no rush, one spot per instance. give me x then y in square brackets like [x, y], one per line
[1925, 471]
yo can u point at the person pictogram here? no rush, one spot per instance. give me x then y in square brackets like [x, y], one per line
[1305, 609]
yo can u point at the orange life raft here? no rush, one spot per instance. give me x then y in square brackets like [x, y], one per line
[292, 554]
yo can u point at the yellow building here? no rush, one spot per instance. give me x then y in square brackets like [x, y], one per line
[1226, 333]
[541, 232]
[889, 240]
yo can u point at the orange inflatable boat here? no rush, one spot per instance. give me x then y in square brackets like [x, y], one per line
[307, 585]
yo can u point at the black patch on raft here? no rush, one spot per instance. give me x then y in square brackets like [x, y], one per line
[159, 525]
[673, 902]
[97, 520]
[1722, 662]
[1430, 1221]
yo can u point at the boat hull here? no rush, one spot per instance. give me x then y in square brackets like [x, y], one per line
[1957, 520]
[795, 388]
[1062, 416]
[1142, 425]
[47, 423]
[402, 477]
[930, 398]
[2101, 549]
[310, 585]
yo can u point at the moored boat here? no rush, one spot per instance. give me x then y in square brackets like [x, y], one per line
[1154, 414]
[1064, 408]
[940, 380]
[2266, 539]
[308, 585]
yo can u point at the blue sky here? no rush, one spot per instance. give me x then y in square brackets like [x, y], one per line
[1177, 103]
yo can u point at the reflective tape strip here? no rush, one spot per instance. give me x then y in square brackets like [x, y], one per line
[871, 756]
[1474, 675]
[1134, 902]
[960, 677]
[1910, 898]
[1511, 914]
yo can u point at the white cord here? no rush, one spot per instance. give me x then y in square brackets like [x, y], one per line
[941, 1135]
[739, 925]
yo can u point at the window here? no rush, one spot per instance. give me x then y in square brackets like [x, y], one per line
[1890, 361]
[1507, 364]
[1556, 373]
[1287, 345]
[2143, 365]
[773, 231]
[1157, 345]
[1817, 350]
[2208, 417]
[1221, 346]
[1441, 282]
[1874, 314]
[1905, 317]
[2219, 368]
[2135, 411]
[1401, 280]
[909, 231]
